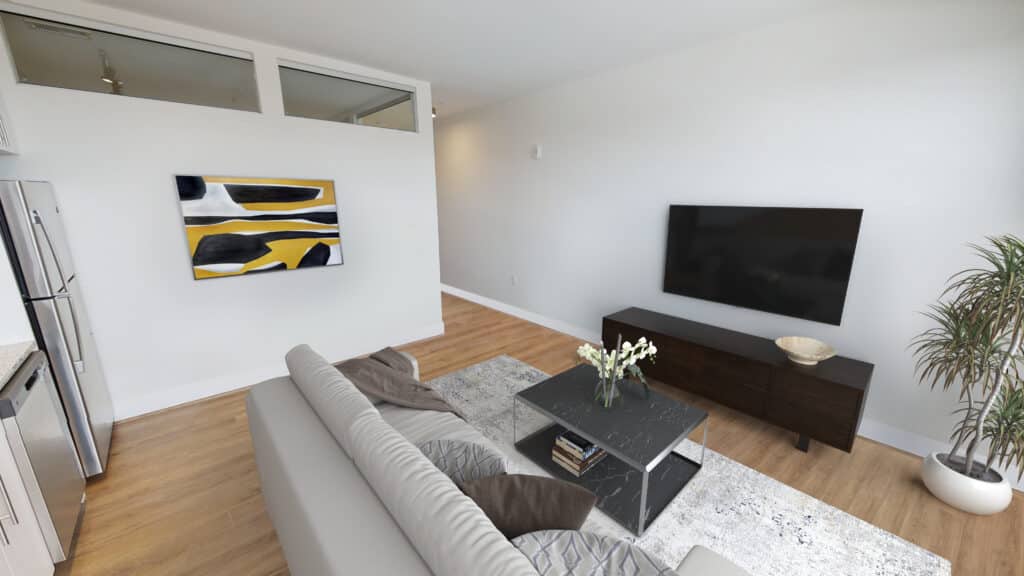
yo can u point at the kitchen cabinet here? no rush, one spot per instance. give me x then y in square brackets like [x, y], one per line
[21, 542]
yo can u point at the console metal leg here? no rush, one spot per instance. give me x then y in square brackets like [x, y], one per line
[803, 443]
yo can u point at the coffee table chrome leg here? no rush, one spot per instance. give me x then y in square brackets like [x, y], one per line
[704, 442]
[515, 436]
[643, 503]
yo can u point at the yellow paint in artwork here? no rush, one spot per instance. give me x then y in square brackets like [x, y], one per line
[196, 233]
[327, 199]
[288, 251]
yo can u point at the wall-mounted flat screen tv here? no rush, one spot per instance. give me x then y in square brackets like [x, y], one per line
[790, 261]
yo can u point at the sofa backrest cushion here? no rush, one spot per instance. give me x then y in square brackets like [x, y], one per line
[336, 400]
[451, 533]
[327, 518]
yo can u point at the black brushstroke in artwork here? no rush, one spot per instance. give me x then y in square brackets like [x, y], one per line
[330, 217]
[317, 256]
[242, 248]
[190, 187]
[249, 193]
[290, 234]
[228, 249]
[278, 266]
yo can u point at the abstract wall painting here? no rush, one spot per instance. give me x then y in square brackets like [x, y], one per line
[247, 225]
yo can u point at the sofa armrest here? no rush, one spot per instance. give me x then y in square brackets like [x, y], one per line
[415, 364]
[703, 562]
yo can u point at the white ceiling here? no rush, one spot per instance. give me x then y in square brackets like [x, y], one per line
[476, 51]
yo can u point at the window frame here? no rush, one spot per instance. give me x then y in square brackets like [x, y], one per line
[135, 34]
[352, 77]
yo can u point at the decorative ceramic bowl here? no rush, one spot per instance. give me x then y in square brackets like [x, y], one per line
[806, 351]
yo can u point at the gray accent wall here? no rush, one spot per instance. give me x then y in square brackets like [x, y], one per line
[912, 112]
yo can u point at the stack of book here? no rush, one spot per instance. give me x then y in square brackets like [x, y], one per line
[575, 454]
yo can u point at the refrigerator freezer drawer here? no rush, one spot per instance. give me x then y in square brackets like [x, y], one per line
[78, 376]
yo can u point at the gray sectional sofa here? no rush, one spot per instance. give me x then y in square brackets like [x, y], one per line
[349, 493]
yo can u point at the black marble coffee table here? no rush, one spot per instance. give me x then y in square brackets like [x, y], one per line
[641, 473]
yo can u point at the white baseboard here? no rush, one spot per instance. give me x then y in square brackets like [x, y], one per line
[144, 404]
[557, 325]
[901, 439]
[872, 429]
[198, 390]
[915, 443]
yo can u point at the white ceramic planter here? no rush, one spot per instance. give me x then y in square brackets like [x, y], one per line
[967, 494]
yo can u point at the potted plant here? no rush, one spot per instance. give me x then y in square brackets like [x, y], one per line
[613, 366]
[976, 347]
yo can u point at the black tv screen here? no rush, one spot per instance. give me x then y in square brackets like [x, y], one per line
[790, 261]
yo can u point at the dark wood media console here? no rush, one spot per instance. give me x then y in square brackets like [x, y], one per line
[749, 373]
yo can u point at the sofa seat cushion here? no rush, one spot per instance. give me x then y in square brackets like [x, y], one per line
[419, 426]
[701, 561]
[328, 519]
[561, 552]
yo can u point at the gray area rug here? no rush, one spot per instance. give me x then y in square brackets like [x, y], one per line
[760, 524]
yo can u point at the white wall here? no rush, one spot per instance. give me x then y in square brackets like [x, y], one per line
[910, 110]
[165, 338]
[14, 326]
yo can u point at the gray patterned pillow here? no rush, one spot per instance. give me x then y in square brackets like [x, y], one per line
[463, 461]
[560, 552]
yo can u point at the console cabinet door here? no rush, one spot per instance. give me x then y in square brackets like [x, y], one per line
[736, 382]
[719, 376]
[823, 410]
[677, 364]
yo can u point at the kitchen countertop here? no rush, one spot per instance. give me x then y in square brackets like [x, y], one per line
[11, 357]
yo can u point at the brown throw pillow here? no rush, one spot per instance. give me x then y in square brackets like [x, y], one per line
[518, 504]
[391, 358]
[381, 383]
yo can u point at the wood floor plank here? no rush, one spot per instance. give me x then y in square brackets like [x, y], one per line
[182, 496]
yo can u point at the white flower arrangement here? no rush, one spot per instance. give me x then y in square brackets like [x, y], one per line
[613, 366]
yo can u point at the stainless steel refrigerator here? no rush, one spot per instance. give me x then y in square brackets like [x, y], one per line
[30, 223]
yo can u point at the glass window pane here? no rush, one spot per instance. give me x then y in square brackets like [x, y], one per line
[323, 97]
[67, 56]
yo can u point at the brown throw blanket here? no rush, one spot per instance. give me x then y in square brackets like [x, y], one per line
[382, 383]
[394, 359]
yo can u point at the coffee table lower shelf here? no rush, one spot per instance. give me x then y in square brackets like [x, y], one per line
[618, 485]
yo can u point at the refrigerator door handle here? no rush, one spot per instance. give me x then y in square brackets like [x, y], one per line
[37, 219]
[79, 360]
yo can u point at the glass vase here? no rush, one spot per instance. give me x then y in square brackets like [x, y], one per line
[607, 391]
